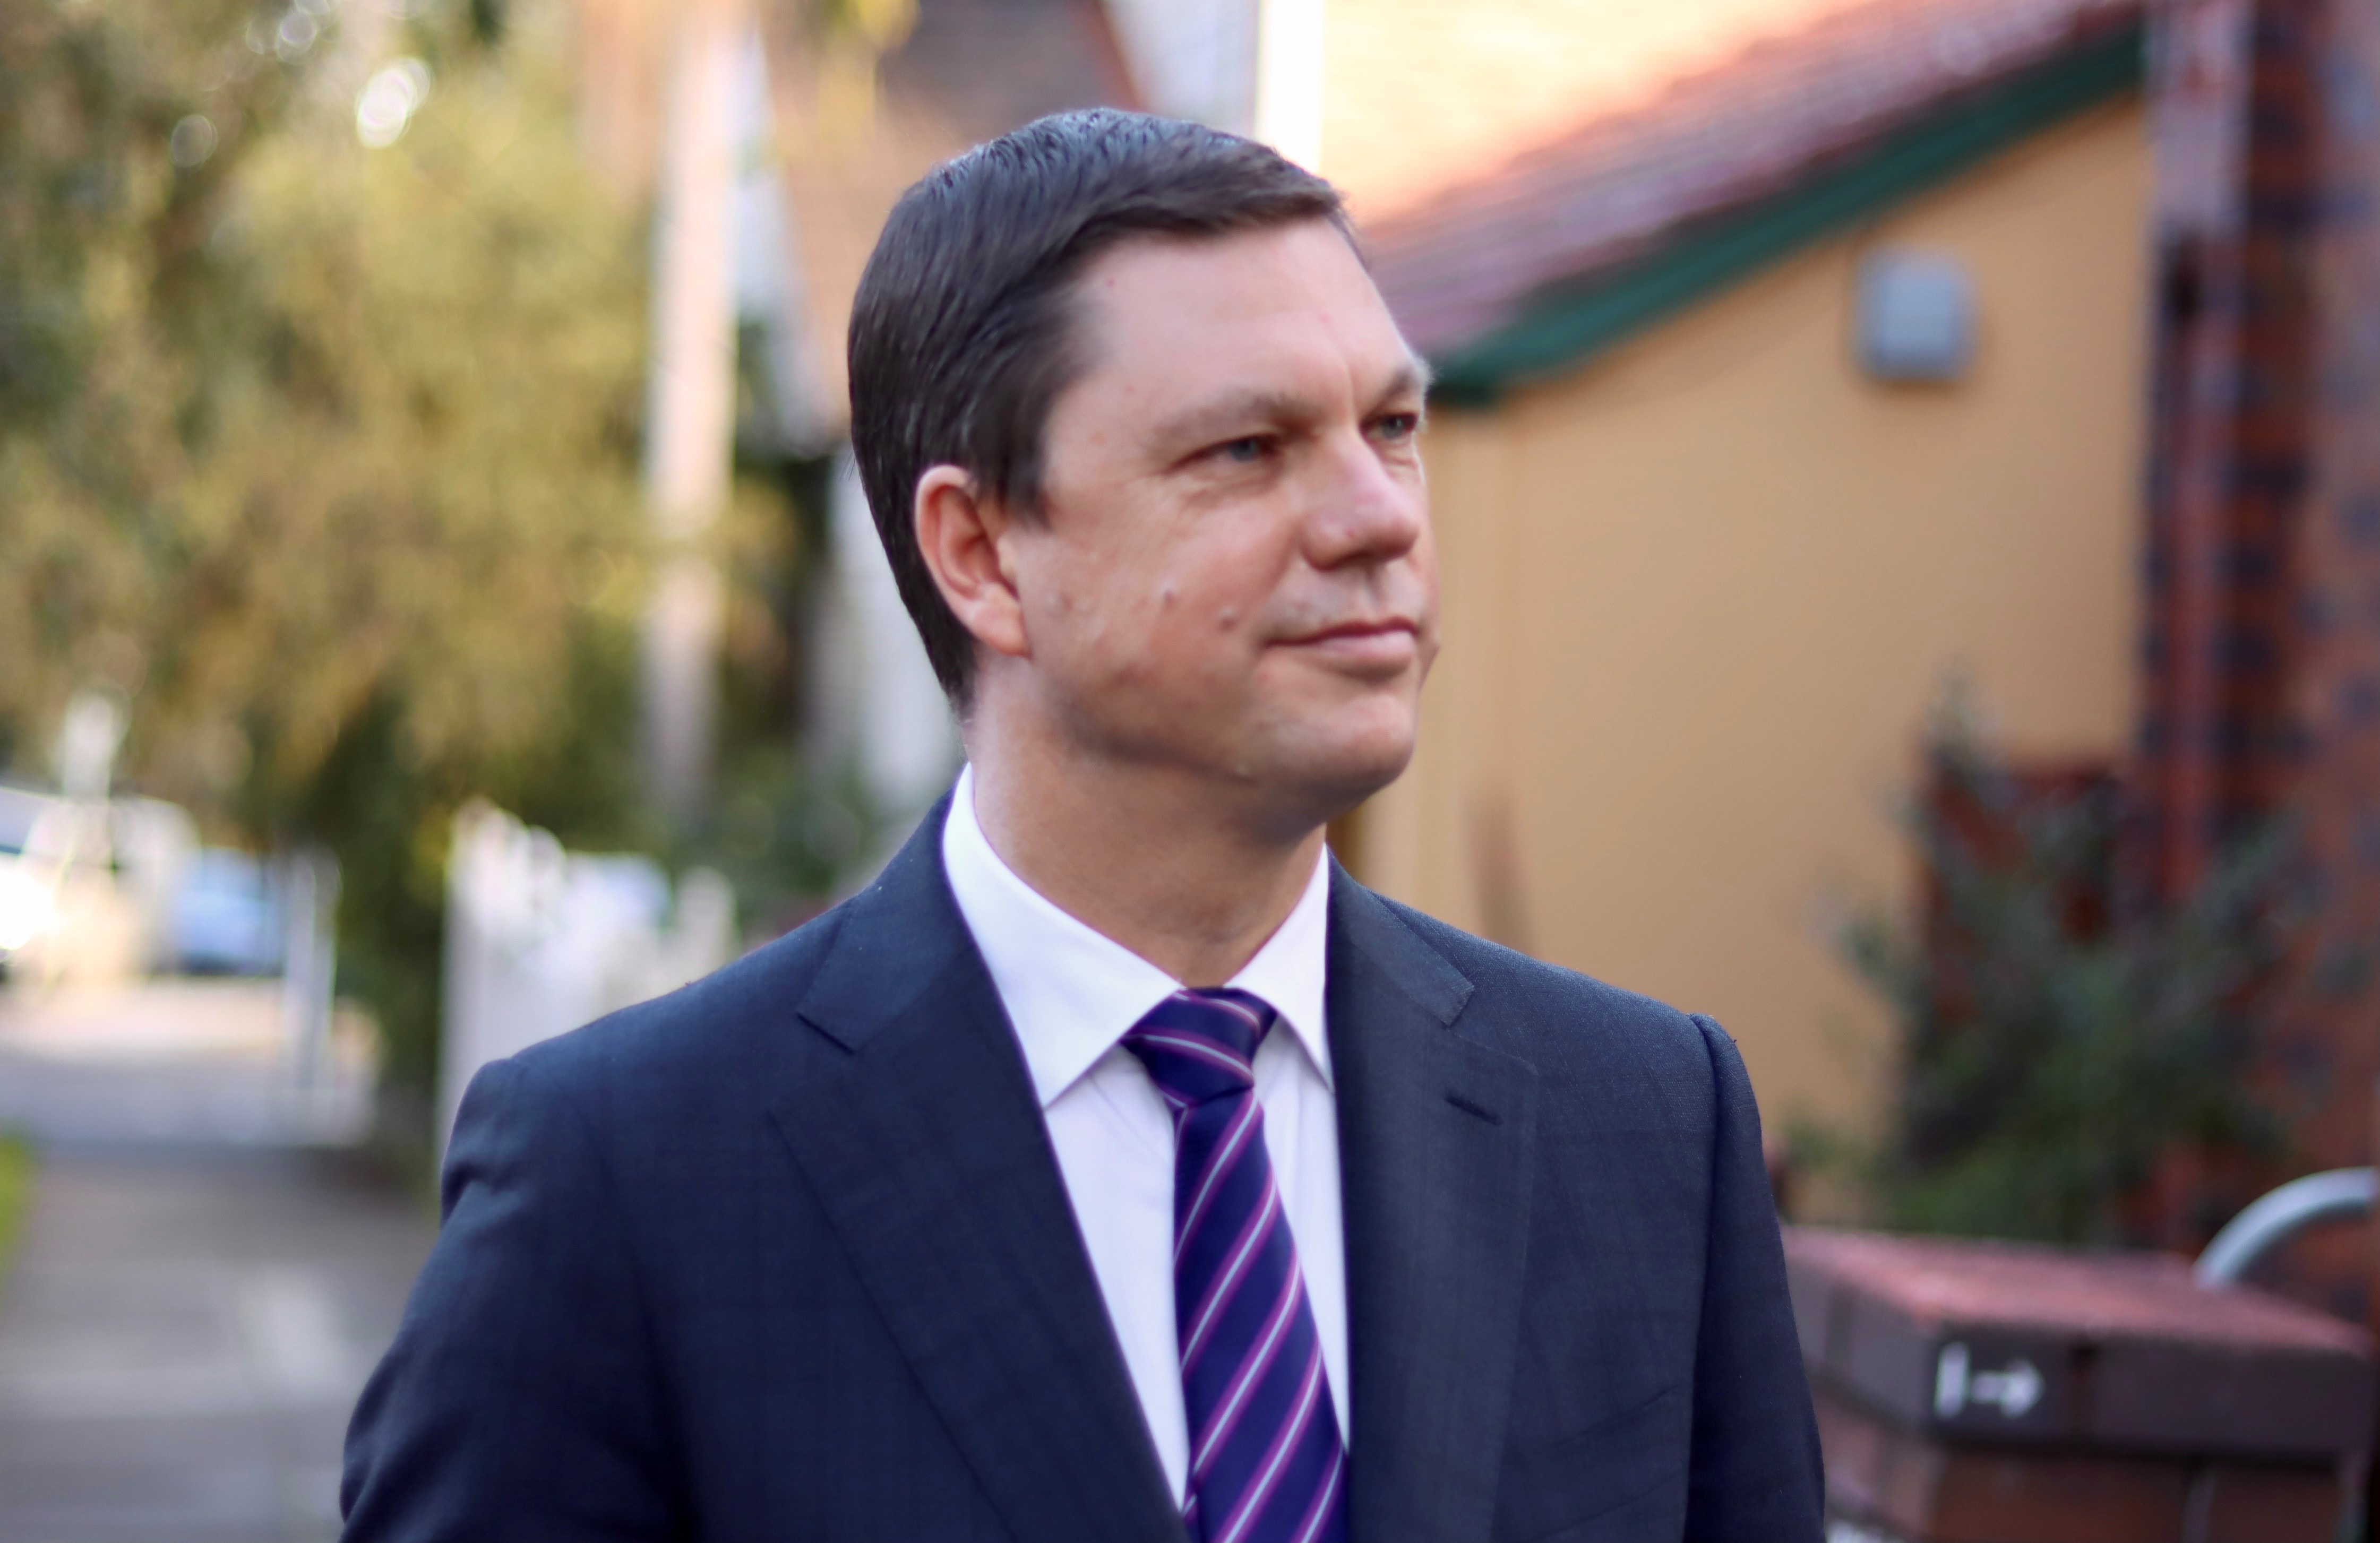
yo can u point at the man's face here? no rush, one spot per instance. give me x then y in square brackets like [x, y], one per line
[1234, 573]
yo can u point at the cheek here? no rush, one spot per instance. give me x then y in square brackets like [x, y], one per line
[1110, 622]
[1177, 654]
[1185, 632]
[1166, 620]
[1207, 617]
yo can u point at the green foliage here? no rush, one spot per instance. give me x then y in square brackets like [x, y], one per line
[781, 830]
[322, 455]
[17, 1168]
[2054, 1047]
[781, 826]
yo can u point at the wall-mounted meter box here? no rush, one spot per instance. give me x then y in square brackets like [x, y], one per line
[1914, 317]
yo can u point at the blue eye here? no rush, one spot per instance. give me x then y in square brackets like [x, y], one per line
[1397, 426]
[1247, 451]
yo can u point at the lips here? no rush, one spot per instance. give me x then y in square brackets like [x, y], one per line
[1379, 651]
[1357, 631]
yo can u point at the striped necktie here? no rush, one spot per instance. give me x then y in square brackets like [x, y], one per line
[1265, 1463]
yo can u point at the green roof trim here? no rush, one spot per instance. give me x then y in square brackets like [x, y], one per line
[1562, 330]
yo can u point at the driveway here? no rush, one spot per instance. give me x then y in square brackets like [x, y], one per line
[182, 1335]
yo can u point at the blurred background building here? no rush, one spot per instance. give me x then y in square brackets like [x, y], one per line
[1771, 398]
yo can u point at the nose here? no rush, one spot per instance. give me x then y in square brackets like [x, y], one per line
[1359, 510]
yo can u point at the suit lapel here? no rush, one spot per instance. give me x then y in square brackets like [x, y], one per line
[1436, 1136]
[919, 1130]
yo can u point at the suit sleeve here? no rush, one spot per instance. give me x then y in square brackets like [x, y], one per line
[1755, 1468]
[519, 1399]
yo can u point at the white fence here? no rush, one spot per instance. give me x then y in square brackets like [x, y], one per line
[540, 941]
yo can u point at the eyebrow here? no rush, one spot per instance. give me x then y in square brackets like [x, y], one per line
[1196, 424]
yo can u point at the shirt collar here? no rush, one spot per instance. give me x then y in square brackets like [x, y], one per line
[1072, 992]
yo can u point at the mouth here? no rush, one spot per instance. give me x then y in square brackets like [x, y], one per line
[1387, 641]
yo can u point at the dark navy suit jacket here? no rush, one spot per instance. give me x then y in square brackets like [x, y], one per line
[786, 1256]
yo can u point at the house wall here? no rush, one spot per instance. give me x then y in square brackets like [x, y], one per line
[1700, 595]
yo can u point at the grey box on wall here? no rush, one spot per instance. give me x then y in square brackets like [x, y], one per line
[1914, 317]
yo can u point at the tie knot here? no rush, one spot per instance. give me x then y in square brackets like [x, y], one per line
[1201, 1045]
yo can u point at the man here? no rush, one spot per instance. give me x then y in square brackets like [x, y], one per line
[1115, 1167]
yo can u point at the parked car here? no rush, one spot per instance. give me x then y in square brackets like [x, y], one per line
[226, 917]
[100, 891]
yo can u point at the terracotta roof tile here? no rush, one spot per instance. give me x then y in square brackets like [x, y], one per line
[1612, 188]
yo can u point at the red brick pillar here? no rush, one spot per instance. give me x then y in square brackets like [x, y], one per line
[1991, 1393]
[2261, 661]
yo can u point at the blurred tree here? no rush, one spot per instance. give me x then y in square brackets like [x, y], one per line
[2054, 1047]
[319, 386]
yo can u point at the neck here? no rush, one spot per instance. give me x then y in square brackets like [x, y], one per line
[1152, 856]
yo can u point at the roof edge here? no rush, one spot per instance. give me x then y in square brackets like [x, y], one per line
[1563, 328]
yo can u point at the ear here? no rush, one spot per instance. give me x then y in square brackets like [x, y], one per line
[964, 537]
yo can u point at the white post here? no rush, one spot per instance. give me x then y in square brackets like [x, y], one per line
[540, 941]
[690, 399]
[1289, 79]
[310, 909]
[908, 741]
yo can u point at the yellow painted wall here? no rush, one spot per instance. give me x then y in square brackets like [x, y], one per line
[1700, 595]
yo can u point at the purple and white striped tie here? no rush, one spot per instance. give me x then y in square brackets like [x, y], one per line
[1265, 1463]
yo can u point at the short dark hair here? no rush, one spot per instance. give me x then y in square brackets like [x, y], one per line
[961, 334]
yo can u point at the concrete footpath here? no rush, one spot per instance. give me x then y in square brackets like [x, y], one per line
[182, 1335]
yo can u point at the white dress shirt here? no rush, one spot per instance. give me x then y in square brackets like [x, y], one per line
[1071, 994]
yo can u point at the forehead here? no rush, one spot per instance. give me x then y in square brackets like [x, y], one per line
[1164, 318]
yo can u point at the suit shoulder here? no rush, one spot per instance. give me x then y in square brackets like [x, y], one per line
[703, 1029]
[1544, 1011]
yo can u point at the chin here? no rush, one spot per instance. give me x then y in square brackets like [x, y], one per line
[1331, 767]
